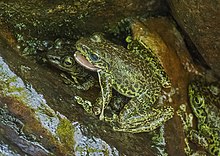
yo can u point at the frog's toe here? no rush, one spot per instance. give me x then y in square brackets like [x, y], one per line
[87, 105]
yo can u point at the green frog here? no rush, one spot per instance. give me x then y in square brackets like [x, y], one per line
[134, 72]
[204, 98]
[62, 57]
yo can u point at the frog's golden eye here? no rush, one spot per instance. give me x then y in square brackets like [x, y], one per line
[68, 61]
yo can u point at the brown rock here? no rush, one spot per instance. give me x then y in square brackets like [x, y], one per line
[201, 20]
[45, 19]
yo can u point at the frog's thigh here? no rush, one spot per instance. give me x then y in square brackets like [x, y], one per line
[137, 116]
[197, 138]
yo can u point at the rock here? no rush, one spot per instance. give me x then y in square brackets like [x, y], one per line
[35, 22]
[26, 119]
[44, 118]
[200, 20]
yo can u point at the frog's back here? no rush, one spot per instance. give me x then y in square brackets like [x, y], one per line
[213, 112]
[132, 73]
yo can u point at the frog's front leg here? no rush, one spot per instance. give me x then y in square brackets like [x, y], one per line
[73, 82]
[69, 81]
[207, 141]
[138, 115]
[105, 95]
[191, 134]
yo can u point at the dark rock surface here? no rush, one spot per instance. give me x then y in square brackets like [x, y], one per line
[33, 22]
[200, 20]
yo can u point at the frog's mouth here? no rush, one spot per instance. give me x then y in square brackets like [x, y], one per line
[84, 62]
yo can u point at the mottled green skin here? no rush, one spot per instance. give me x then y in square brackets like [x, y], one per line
[135, 73]
[63, 59]
[203, 100]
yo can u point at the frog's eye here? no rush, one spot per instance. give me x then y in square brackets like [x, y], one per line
[93, 57]
[96, 38]
[68, 61]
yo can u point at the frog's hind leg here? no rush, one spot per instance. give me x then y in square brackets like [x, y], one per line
[136, 118]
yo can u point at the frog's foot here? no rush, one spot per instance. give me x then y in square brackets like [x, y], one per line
[87, 106]
[187, 119]
[144, 121]
[191, 134]
[75, 84]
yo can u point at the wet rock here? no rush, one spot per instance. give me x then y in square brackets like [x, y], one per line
[27, 121]
[36, 95]
[200, 21]
[34, 23]
[6, 149]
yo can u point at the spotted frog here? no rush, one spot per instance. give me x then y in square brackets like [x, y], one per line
[204, 98]
[134, 72]
[62, 57]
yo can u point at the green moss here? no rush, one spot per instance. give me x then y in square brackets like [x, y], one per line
[90, 150]
[10, 84]
[65, 132]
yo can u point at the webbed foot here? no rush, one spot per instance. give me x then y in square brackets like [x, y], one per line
[145, 121]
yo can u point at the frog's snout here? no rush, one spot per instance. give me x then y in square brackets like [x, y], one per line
[84, 62]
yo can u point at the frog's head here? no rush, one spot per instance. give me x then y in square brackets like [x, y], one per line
[92, 52]
[197, 100]
[62, 60]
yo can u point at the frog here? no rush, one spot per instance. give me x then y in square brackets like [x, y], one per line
[61, 56]
[204, 98]
[135, 74]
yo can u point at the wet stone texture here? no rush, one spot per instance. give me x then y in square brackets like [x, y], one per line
[40, 117]
[35, 22]
[200, 20]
